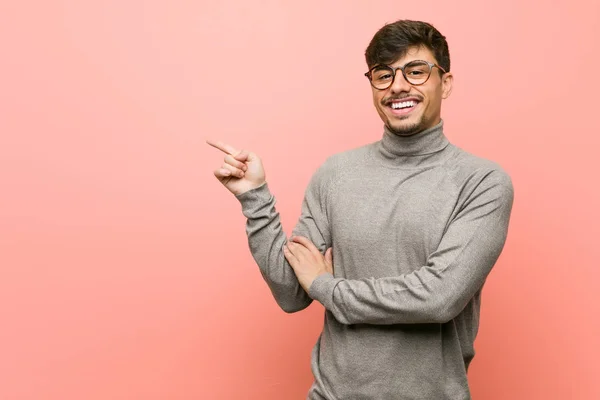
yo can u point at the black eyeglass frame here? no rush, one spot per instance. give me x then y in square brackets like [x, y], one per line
[369, 74]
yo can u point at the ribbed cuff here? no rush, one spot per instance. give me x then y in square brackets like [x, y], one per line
[253, 199]
[322, 288]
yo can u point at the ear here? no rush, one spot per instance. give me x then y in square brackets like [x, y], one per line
[447, 81]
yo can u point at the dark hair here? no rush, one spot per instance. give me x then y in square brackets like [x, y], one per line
[392, 41]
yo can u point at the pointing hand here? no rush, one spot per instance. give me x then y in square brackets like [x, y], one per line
[241, 171]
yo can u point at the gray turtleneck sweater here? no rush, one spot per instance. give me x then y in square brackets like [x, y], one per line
[416, 224]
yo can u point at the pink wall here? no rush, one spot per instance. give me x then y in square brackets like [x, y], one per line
[125, 272]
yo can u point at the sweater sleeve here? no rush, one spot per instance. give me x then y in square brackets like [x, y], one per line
[266, 237]
[439, 290]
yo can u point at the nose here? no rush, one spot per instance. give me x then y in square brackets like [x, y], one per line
[400, 84]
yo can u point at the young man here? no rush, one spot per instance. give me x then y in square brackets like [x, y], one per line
[414, 225]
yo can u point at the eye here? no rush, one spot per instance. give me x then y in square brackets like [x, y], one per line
[382, 74]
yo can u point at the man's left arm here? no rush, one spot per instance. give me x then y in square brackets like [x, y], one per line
[438, 291]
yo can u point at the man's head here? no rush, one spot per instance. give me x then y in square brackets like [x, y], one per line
[408, 108]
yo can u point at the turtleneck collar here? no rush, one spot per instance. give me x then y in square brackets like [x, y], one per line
[431, 140]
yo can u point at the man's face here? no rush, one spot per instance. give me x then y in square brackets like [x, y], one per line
[427, 98]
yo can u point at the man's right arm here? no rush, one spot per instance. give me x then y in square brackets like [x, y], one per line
[243, 174]
[266, 237]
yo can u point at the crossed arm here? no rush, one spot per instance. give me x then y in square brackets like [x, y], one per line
[435, 292]
[300, 270]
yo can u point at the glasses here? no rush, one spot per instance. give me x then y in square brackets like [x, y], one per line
[415, 72]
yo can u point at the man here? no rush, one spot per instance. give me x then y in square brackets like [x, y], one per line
[395, 239]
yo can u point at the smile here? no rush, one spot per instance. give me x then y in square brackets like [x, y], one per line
[402, 107]
[404, 104]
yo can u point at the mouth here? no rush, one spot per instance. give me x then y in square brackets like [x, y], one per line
[403, 106]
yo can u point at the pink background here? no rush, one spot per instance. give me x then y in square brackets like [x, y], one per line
[125, 272]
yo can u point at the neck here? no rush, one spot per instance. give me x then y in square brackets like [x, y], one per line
[428, 141]
[424, 148]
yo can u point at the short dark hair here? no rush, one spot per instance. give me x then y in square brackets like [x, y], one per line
[393, 40]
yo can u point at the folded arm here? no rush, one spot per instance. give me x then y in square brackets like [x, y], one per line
[439, 290]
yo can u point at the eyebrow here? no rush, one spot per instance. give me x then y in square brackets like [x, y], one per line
[416, 59]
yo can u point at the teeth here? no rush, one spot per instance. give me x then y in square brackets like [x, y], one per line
[404, 104]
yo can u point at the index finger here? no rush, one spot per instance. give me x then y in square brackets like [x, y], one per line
[225, 148]
[306, 243]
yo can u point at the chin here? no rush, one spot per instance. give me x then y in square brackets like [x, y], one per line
[405, 127]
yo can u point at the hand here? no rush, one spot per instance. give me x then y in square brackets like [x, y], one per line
[241, 171]
[307, 261]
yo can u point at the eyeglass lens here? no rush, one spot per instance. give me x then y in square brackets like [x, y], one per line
[416, 72]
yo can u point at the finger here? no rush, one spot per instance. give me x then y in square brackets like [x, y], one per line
[235, 163]
[299, 251]
[289, 256]
[291, 248]
[242, 156]
[329, 256]
[306, 243]
[225, 148]
[238, 173]
[222, 173]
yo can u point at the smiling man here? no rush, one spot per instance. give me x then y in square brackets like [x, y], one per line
[396, 238]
